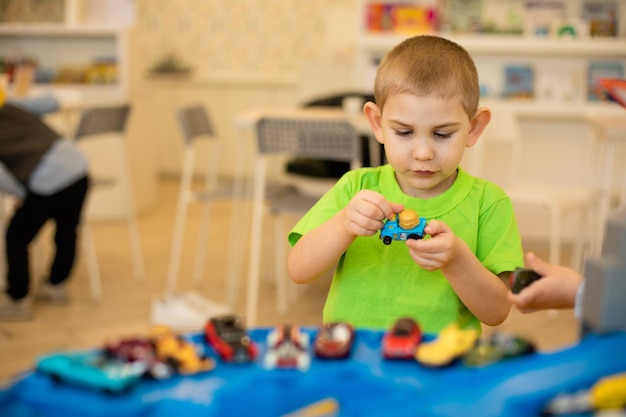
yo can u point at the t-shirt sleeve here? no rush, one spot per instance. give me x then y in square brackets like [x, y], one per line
[500, 245]
[326, 207]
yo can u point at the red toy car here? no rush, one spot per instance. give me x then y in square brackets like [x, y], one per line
[229, 337]
[402, 339]
[334, 340]
[138, 349]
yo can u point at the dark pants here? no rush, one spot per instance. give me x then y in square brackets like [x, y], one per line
[65, 209]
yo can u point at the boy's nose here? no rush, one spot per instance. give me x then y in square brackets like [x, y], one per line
[422, 150]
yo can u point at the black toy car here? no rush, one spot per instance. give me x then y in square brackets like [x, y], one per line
[498, 347]
[522, 278]
[229, 337]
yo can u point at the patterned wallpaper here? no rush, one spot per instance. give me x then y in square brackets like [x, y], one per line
[256, 38]
[238, 36]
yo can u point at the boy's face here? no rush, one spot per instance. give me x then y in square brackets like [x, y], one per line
[424, 139]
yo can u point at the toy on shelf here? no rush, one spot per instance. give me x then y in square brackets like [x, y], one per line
[401, 341]
[229, 338]
[609, 393]
[334, 340]
[404, 225]
[616, 89]
[498, 347]
[522, 278]
[451, 343]
[287, 348]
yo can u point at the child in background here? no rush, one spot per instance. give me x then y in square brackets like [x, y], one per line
[426, 114]
[48, 175]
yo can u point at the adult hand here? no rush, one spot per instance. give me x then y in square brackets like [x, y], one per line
[556, 289]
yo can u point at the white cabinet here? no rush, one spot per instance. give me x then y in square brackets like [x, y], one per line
[77, 48]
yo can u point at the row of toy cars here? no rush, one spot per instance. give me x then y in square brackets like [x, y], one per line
[121, 364]
[287, 345]
[405, 341]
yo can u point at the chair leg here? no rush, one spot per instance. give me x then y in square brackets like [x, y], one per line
[279, 272]
[179, 223]
[201, 246]
[92, 263]
[583, 240]
[555, 234]
[238, 224]
[255, 245]
[131, 215]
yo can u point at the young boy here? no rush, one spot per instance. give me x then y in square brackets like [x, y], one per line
[49, 176]
[426, 114]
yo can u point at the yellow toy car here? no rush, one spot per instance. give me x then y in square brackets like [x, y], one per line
[182, 355]
[451, 343]
[608, 393]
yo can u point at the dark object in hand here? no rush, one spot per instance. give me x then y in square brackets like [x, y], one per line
[522, 278]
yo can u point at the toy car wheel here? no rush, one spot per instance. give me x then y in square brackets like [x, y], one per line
[387, 240]
[56, 378]
[414, 236]
[161, 371]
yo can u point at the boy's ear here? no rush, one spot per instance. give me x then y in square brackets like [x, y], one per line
[374, 116]
[478, 123]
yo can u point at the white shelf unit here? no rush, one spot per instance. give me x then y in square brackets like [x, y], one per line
[560, 64]
[54, 46]
[556, 61]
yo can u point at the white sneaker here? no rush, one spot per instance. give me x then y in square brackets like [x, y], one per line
[12, 310]
[187, 312]
[53, 294]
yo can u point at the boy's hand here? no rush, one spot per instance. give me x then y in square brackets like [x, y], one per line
[366, 213]
[436, 252]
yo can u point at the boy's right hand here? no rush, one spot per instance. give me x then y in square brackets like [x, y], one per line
[366, 213]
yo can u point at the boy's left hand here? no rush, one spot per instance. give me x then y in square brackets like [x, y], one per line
[436, 252]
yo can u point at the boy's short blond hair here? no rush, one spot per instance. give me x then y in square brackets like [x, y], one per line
[428, 65]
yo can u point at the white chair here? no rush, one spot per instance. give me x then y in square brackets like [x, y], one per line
[109, 124]
[190, 310]
[195, 126]
[557, 200]
[314, 137]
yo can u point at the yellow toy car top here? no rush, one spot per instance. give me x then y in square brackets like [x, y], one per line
[180, 353]
[609, 392]
[451, 343]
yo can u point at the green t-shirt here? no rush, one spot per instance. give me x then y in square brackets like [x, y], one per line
[375, 284]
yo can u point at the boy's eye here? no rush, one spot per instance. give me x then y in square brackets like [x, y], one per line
[403, 132]
[442, 135]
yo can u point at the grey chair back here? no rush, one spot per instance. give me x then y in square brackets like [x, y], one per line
[194, 122]
[330, 139]
[97, 120]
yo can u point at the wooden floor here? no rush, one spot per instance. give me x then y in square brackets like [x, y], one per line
[125, 309]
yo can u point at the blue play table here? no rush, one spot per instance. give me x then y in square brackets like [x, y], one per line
[364, 385]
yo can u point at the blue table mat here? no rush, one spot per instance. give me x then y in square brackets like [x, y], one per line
[363, 385]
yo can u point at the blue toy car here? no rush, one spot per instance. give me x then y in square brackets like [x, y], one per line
[405, 225]
[92, 369]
